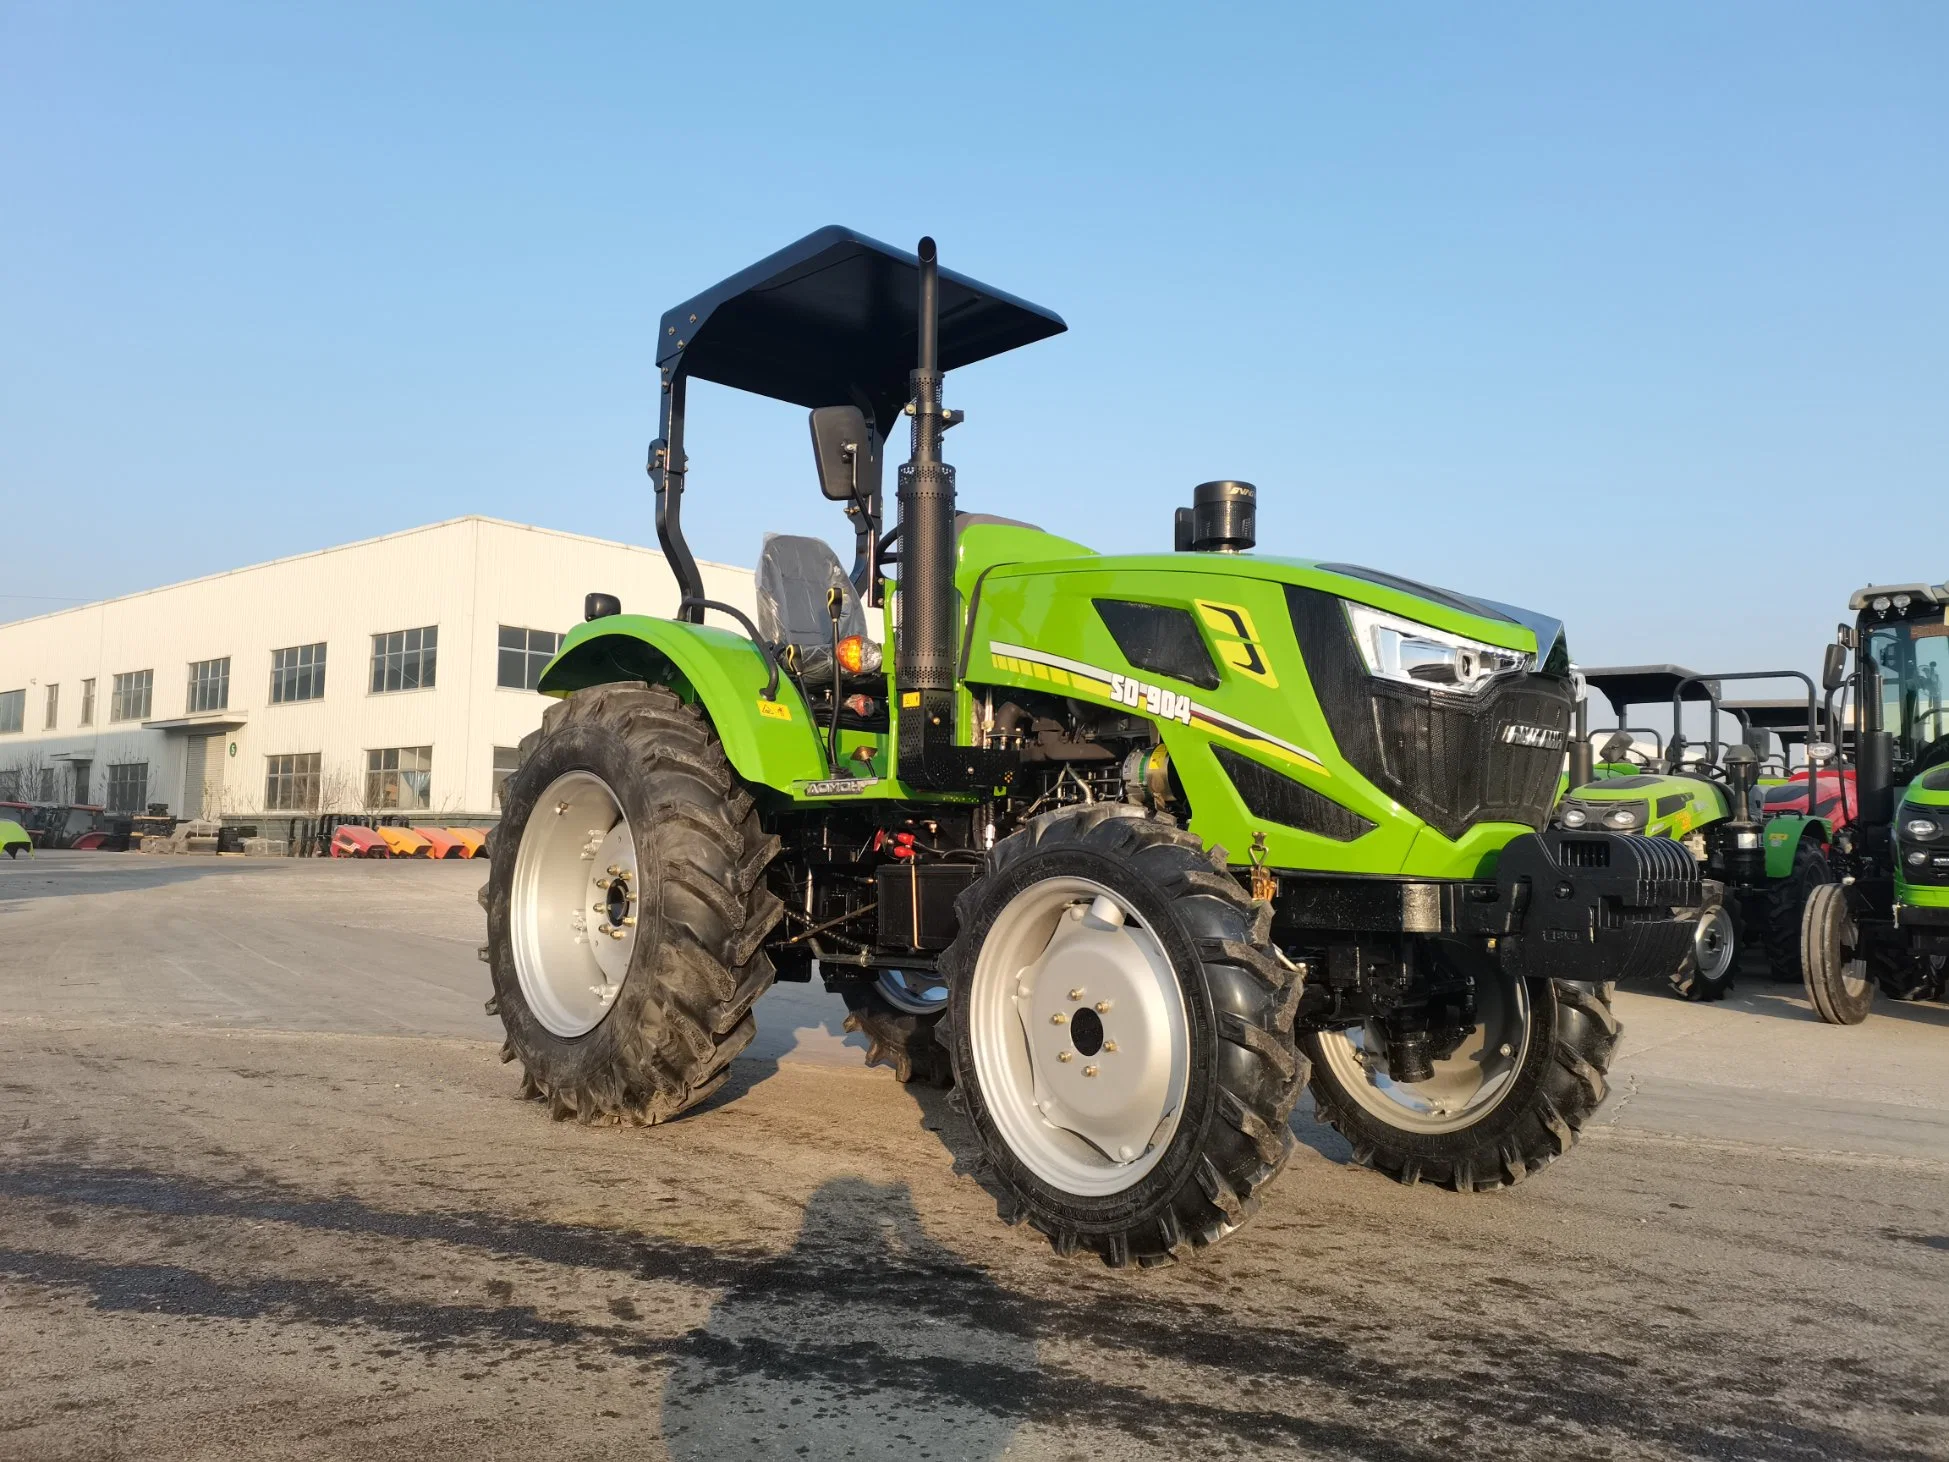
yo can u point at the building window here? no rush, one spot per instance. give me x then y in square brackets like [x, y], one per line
[298, 674]
[401, 777]
[291, 782]
[87, 702]
[403, 660]
[13, 709]
[209, 686]
[524, 653]
[82, 771]
[507, 760]
[47, 784]
[128, 785]
[129, 701]
[53, 706]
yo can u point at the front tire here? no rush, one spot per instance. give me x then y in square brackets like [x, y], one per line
[1121, 1035]
[1707, 973]
[900, 1015]
[1839, 984]
[1509, 1100]
[1782, 906]
[625, 909]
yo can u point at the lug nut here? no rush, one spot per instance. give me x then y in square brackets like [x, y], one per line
[1065, 1055]
[1089, 1071]
[1102, 1007]
[1058, 1019]
[1076, 994]
[615, 933]
[604, 882]
[614, 871]
[1110, 1046]
[1505, 1049]
[628, 921]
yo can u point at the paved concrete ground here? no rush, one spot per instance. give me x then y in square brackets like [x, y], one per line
[265, 1191]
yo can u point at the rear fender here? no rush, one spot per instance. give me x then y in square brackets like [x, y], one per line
[1784, 834]
[772, 743]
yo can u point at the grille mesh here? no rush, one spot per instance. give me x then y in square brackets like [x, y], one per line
[1442, 757]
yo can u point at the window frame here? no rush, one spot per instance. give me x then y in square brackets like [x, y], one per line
[379, 778]
[207, 678]
[119, 698]
[532, 661]
[300, 674]
[109, 801]
[420, 646]
[498, 778]
[13, 708]
[286, 776]
[87, 702]
[53, 706]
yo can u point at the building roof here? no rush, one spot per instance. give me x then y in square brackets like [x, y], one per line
[347, 548]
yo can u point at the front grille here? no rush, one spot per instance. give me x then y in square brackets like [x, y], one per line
[1445, 758]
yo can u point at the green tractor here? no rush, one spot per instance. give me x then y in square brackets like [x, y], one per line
[1125, 848]
[1886, 924]
[1757, 867]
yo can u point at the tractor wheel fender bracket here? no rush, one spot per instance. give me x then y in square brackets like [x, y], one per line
[769, 743]
[1783, 836]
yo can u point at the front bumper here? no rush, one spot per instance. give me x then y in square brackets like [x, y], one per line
[1586, 906]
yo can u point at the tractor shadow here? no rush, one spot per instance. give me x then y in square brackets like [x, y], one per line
[837, 1348]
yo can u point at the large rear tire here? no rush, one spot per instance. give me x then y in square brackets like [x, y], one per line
[625, 909]
[1121, 1035]
[1917, 977]
[1510, 1100]
[1781, 908]
[1839, 984]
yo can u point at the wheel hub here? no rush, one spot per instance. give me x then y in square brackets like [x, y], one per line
[1080, 1036]
[1466, 1084]
[574, 904]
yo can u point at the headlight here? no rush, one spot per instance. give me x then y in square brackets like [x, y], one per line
[1921, 829]
[1916, 860]
[1573, 817]
[1412, 653]
[1626, 815]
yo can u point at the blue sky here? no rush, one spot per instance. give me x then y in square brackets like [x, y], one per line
[1631, 315]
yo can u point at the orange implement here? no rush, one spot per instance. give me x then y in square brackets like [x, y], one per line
[351, 841]
[443, 844]
[404, 842]
[470, 838]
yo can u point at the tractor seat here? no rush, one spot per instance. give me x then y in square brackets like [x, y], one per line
[794, 577]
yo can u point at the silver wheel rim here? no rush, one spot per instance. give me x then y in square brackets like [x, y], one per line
[1713, 944]
[916, 992]
[1467, 1085]
[1080, 1037]
[573, 904]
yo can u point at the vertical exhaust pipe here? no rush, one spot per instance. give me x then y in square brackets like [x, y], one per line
[924, 659]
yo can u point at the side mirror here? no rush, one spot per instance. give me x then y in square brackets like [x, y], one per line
[600, 606]
[1833, 668]
[1618, 748]
[847, 451]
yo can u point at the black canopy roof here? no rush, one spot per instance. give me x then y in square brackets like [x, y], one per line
[1773, 715]
[832, 320]
[1639, 685]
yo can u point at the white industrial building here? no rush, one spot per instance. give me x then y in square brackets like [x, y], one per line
[393, 674]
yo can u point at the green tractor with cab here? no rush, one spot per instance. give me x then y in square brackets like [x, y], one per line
[1885, 926]
[1125, 848]
[1757, 867]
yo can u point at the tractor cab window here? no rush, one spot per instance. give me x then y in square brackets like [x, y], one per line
[1913, 660]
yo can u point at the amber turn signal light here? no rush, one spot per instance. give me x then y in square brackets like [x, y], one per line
[858, 655]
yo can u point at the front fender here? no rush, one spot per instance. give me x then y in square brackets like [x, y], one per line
[1784, 835]
[771, 743]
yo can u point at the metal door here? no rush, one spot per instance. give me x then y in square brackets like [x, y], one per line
[195, 755]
